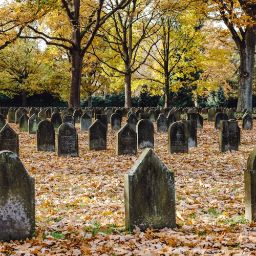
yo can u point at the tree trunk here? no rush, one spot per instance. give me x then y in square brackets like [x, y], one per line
[23, 99]
[76, 61]
[167, 92]
[90, 101]
[128, 90]
[247, 60]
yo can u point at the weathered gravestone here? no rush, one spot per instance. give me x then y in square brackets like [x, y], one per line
[211, 114]
[171, 118]
[42, 114]
[103, 119]
[115, 121]
[19, 113]
[197, 118]
[247, 121]
[67, 140]
[149, 194]
[126, 141]
[23, 123]
[191, 130]
[230, 113]
[68, 119]
[33, 122]
[11, 115]
[48, 113]
[33, 111]
[162, 123]
[132, 121]
[177, 138]
[56, 120]
[9, 139]
[229, 135]
[2, 121]
[218, 118]
[85, 122]
[250, 187]
[77, 115]
[45, 136]
[97, 136]
[17, 199]
[145, 134]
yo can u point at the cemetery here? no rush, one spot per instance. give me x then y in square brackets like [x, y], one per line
[127, 127]
[93, 191]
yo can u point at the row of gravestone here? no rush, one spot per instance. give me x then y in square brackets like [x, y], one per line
[149, 195]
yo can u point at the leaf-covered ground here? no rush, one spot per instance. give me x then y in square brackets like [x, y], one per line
[80, 203]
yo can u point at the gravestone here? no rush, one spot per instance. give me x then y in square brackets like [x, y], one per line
[45, 136]
[42, 114]
[19, 113]
[9, 139]
[145, 134]
[149, 194]
[23, 123]
[77, 115]
[11, 115]
[85, 122]
[191, 126]
[218, 118]
[230, 113]
[33, 111]
[33, 122]
[97, 136]
[56, 120]
[211, 114]
[171, 118]
[2, 121]
[48, 113]
[132, 121]
[115, 121]
[229, 135]
[162, 124]
[17, 200]
[177, 138]
[103, 119]
[152, 115]
[126, 141]
[247, 121]
[250, 187]
[67, 140]
[200, 122]
[68, 119]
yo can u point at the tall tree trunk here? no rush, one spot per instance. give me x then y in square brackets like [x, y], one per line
[76, 61]
[23, 99]
[247, 60]
[128, 89]
[167, 92]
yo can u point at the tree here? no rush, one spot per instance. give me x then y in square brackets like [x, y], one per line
[239, 17]
[124, 35]
[75, 27]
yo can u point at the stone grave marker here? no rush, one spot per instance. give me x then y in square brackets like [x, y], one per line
[23, 123]
[97, 136]
[132, 121]
[218, 118]
[115, 121]
[162, 123]
[126, 141]
[177, 138]
[2, 121]
[247, 123]
[33, 122]
[85, 122]
[56, 120]
[149, 194]
[17, 200]
[229, 135]
[45, 136]
[67, 140]
[145, 134]
[9, 139]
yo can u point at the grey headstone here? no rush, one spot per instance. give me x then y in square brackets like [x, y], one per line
[162, 123]
[56, 120]
[97, 136]
[85, 122]
[9, 139]
[218, 118]
[247, 122]
[17, 199]
[33, 122]
[177, 138]
[23, 123]
[149, 194]
[145, 134]
[126, 141]
[67, 140]
[45, 136]
[115, 121]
